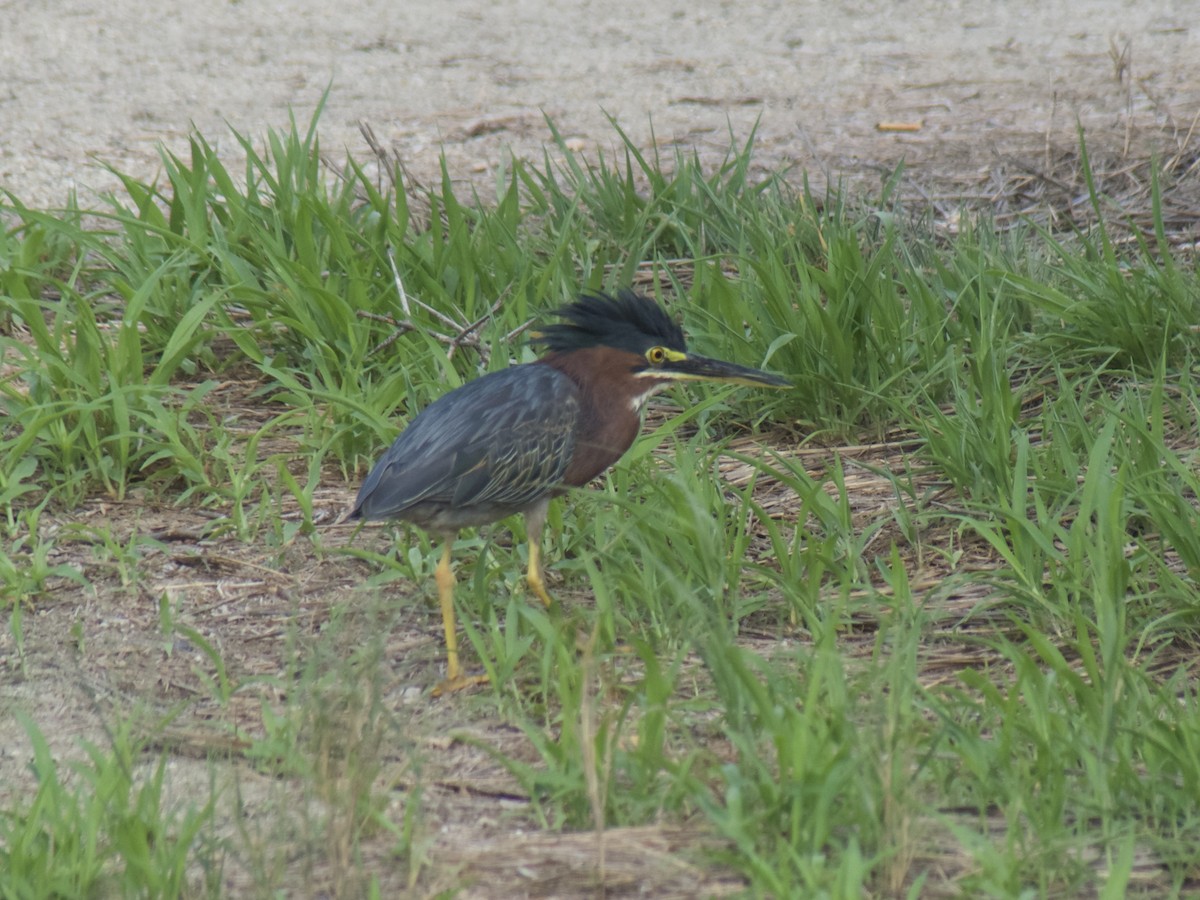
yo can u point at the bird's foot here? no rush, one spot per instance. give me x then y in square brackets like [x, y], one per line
[537, 587]
[459, 683]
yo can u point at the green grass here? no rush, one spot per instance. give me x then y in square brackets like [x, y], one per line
[111, 833]
[959, 663]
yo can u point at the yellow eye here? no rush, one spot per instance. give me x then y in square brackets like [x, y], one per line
[656, 355]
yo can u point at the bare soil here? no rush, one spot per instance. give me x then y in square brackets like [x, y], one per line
[82, 82]
[981, 102]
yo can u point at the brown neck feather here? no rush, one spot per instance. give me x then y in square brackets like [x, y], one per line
[608, 423]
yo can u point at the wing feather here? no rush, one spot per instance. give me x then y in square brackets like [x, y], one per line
[506, 439]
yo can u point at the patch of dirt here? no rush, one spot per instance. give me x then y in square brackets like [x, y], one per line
[81, 82]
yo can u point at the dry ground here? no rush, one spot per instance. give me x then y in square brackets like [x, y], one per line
[993, 91]
[991, 86]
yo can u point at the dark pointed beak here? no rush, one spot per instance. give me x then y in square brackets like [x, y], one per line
[701, 368]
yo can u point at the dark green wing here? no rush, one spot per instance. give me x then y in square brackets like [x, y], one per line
[503, 439]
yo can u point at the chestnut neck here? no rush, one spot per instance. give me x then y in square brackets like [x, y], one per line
[609, 421]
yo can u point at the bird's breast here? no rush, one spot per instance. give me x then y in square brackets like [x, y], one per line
[607, 427]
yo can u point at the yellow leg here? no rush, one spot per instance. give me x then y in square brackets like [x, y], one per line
[535, 519]
[444, 576]
[534, 576]
[455, 679]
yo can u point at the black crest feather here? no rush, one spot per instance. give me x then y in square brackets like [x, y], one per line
[627, 321]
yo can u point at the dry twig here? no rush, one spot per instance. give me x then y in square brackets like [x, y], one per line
[461, 334]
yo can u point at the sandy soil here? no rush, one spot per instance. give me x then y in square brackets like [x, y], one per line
[84, 81]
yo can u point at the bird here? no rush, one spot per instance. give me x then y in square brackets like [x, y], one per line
[511, 440]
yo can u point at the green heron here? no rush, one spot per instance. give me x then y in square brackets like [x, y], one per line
[511, 440]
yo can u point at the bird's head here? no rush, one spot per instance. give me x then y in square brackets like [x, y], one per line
[643, 350]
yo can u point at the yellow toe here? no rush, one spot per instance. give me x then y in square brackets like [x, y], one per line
[458, 683]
